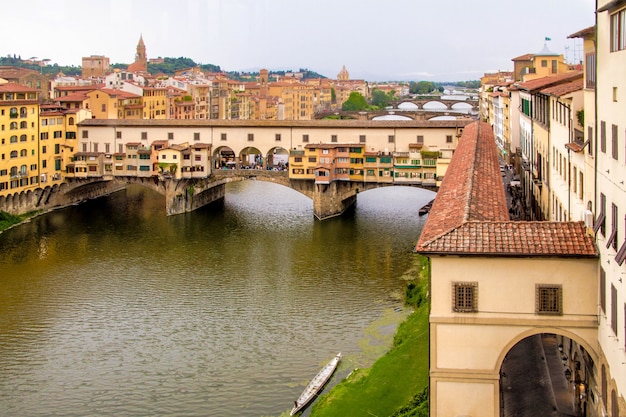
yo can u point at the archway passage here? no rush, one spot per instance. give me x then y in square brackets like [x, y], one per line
[543, 375]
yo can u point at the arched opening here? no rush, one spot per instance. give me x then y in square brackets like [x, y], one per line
[251, 158]
[224, 158]
[408, 106]
[545, 374]
[434, 105]
[277, 159]
[392, 117]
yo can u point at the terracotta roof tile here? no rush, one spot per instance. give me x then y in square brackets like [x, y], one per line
[470, 217]
[560, 90]
[545, 82]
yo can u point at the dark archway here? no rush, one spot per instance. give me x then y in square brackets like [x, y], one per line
[545, 374]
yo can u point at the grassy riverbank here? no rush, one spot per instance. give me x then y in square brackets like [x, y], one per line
[9, 220]
[396, 385]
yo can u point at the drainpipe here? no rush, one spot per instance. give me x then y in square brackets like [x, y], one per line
[595, 119]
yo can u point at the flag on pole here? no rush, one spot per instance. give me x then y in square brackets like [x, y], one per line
[548, 39]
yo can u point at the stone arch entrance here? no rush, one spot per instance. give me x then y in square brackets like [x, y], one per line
[545, 374]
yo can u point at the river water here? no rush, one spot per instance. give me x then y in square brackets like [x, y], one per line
[111, 308]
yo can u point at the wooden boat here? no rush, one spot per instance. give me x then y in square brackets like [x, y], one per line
[315, 385]
[426, 208]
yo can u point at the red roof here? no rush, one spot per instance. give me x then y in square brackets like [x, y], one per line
[545, 82]
[563, 89]
[16, 88]
[470, 216]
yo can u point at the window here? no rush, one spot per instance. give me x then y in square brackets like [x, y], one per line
[170, 135]
[614, 141]
[277, 137]
[391, 138]
[250, 137]
[333, 138]
[603, 290]
[361, 138]
[590, 140]
[104, 107]
[448, 138]
[43, 149]
[549, 299]
[305, 138]
[70, 121]
[420, 139]
[144, 135]
[603, 136]
[614, 309]
[223, 136]
[465, 297]
[196, 136]
[612, 240]
[544, 63]
[85, 134]
[599, 224]
[618, 31]
[554, 66]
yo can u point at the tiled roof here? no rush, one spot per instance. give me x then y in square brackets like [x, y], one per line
[373, 124]
[470, 217]
[545, 82]
[560, 90]
[16, 88]
[591, 30]
[525, 57]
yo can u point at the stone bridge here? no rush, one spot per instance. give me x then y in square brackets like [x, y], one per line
[421, 102]
[189, 194]
[378, 114]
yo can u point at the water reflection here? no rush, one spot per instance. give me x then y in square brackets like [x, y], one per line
[110, 308]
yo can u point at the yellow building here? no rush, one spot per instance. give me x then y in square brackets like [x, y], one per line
[19, 151]
[106, 103]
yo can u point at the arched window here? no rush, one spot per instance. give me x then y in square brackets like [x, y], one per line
[13, 126]
[13, 139]
[22, 138]
[13, 171]
[23, 125]
[23, 170]
[23, 112]
[23, 152]
[13, 112]
[13, 154]
[71, 121]
[614, 404]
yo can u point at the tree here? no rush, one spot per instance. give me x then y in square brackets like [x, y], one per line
[422, 87]
[381, 99]
[355, 102]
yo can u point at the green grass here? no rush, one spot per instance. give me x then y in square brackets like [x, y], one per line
[397, 383]
[7, 220]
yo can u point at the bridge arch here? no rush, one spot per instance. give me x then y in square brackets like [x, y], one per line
[277, 158]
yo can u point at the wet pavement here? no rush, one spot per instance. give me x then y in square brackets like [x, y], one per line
[533, 380]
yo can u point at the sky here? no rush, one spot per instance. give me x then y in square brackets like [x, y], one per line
[394, 40]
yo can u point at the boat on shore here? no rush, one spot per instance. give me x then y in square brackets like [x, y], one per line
[316, 384]
[426, 208]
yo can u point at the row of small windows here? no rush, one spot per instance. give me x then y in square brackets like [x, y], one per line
[277, 137]
[548, 298]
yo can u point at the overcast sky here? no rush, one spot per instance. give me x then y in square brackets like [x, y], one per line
[441, 40]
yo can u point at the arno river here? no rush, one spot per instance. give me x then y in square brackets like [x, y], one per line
[111, 308]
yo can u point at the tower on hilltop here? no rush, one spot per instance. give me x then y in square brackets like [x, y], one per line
[141, 58]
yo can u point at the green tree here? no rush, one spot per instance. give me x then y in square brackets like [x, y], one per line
[355, 102]
[422, 87]
[381, 99]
